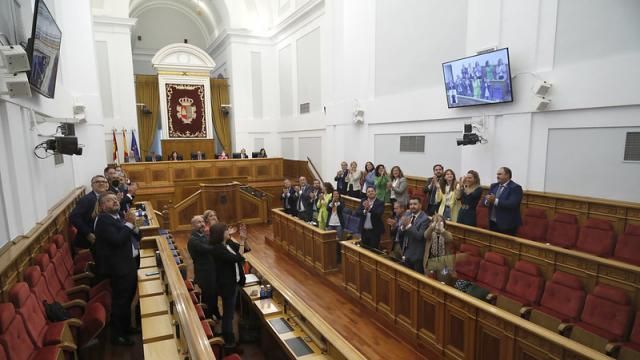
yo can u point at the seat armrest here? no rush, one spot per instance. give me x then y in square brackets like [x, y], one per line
[82, 276]
[216, 341]
[75, 302]
[75, 322]
[612, 349]
[525, 311]
[491, 298]
[77, 289]
[565, 328]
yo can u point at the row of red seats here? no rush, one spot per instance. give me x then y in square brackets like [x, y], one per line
[25, 331]
[598, 319]
[595, 236]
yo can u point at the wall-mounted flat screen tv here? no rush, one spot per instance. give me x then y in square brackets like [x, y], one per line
[478, 80]
[44, 50]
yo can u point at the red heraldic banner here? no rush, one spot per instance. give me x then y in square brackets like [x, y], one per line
[185, 106]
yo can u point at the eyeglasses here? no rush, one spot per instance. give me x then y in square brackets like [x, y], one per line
[100, 182]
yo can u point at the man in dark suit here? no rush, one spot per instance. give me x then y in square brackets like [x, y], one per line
[82, 215]
[204, 268]
[117, 254]
[432, 188]
[411, 231]
[371, 226]
[341, 178]
[503, 201]
[304, 201]
[289, 198]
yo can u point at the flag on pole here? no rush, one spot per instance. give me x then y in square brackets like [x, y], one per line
[134, 146]
[116, 156]
[124, 144]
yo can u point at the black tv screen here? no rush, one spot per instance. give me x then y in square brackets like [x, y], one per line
[44, 50]
[478, 80]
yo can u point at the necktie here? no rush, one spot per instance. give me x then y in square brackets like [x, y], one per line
[499, 192]
[413, 217]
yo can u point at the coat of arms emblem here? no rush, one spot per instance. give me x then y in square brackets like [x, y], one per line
[186, 110]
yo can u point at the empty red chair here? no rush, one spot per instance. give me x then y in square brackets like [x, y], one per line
[482, 216]
[628, 245]
[534, 225]
[631, 349]
[68, 280]
[597, 238]
[16, 341]
[563, 231]
[81, 262]
[62, 293]
[493, 272]
[561, 302]
[468, 262]
[89, 319]
[605, 318]
[40, 331]
[524, 288]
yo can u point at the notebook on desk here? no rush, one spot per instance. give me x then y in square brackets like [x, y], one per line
[251, 279]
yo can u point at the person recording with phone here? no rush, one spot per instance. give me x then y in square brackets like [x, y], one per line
[439, 250]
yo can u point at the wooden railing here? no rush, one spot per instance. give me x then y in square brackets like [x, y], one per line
[446, 320]
[309, 244]
[16, 255]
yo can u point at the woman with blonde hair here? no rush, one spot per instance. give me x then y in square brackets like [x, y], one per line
[439, 261]
[469, 195]
[354, 180]
[210, 218]
[323, 199]
[446, 196]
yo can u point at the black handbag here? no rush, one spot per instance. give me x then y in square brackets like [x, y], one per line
[55, 312]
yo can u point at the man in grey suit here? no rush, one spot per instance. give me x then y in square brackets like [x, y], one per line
[412, 228]
[304, 201]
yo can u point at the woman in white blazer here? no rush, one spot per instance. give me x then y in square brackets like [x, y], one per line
[353, 180]
[398, 186]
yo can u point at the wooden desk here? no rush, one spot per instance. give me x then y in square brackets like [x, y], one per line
[150, 288]
[154, 225]
[153, 306]
[314, 247]
[142, 274]
[156, 328]
[164, 349]
[144, 253]
[148, 262]
[459, 326]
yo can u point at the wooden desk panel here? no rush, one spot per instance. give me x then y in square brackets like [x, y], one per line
[455, 324]
[312, 246]
[165, 349]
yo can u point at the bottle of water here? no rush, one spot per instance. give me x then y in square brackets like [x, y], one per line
[263, 292]
[269, 291]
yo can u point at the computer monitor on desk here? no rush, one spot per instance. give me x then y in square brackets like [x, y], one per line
[236, 156]
[255, 154]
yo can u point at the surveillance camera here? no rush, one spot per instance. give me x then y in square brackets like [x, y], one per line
[469, 139]
[226, 108]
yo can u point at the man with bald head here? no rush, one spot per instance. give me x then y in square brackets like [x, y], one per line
[204, 268]
[117, 257]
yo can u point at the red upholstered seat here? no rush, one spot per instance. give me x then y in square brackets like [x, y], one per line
[525, 284]
[16, 341]
[563, 230]
[596, 237]
[534, 225]
[631, 349]
[563, 297]
[468, 262]
[67, 279]
[39, 329]
[61, 292]
[93, 316]
[628, 245]
[207, 329]
[606, 313]
[493, 272]
[482, 216]
[74, 266]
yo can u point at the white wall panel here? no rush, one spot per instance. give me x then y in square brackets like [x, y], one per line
[309, 70]
[286, 81]
[256, 83]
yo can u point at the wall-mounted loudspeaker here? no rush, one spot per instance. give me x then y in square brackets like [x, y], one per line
[541, 104]
[542, 88]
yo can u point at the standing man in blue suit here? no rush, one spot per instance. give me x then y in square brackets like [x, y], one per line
[503, 202]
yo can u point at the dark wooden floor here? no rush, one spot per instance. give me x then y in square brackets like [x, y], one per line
[327, 297]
